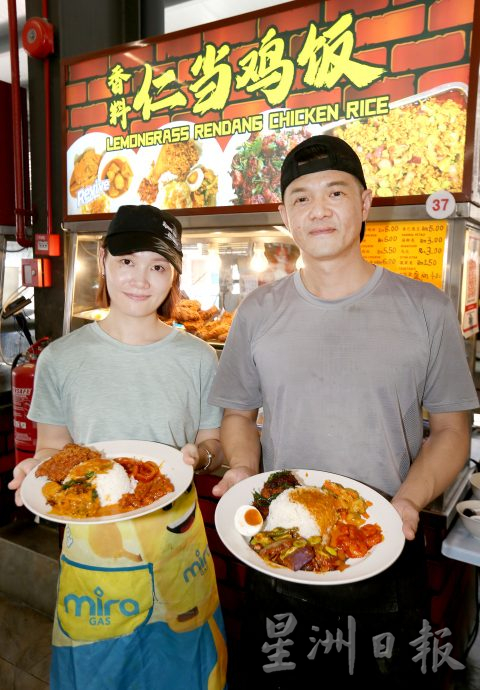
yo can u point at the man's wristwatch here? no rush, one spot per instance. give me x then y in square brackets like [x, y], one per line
[210, 457]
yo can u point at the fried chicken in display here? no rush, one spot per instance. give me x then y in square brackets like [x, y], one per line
[187, 310]
[208, 324]
[216, 329]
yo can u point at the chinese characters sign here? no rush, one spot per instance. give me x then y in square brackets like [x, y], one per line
[204, 120]
[413, 248]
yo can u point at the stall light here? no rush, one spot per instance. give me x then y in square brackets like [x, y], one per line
[299, 263]
[282, 229]
[79, 267]
[259, 262]
[214, 259]
[235, 280]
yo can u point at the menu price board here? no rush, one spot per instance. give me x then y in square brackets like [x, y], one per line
[414, 248]
[470, 284]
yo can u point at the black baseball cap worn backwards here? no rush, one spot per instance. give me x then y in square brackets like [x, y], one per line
[319, 153]
[144, 228]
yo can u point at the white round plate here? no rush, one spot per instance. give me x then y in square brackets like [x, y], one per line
[92, 140]
[379, 558]
[170, 461]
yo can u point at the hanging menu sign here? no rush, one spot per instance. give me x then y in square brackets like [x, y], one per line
[413, 248]
[470, 284]
[202, 119]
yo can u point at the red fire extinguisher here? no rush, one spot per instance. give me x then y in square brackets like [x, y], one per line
[23, 373]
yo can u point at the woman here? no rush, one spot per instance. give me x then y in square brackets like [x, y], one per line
[131, 376]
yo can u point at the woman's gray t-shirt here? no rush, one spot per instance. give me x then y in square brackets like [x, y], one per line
[102, 389]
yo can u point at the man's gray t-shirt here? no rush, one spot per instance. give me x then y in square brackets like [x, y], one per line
[102, 389]
[342, 383]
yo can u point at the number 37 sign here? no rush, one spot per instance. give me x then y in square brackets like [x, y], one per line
[440, 204]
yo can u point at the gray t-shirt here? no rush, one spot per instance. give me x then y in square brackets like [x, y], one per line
[342, 382]
[102, 389]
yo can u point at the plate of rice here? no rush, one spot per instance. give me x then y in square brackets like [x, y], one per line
[107, 481]
[297, 508]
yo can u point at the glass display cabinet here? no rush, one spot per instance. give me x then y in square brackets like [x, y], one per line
[219, 269]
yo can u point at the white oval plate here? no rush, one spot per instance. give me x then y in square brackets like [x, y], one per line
[92, 140]
[379, 558]
[170, 461]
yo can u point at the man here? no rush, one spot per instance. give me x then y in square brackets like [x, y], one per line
[343, 356]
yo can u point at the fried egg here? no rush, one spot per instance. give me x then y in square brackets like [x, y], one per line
[195, 178]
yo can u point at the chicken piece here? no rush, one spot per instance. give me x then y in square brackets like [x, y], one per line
[209, 313]
[148, 190]
[85, 170]
[59, 465]
[187, 310]
[176, 159]
[119, 173]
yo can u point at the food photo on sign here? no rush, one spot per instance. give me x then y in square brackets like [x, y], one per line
[199, 174]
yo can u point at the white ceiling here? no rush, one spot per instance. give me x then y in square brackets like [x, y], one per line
[177, 16]
[5, 67]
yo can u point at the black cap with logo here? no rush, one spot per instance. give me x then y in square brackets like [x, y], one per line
[319, 153]
[144, 228]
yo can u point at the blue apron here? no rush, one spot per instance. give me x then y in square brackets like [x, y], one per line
[137, 605]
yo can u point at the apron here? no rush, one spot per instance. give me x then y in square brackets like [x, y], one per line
[137, 605]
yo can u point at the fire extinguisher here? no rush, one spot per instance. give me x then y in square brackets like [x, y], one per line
[23, 373]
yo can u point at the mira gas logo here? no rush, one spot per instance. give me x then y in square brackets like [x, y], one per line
[99, 610]
[199, 566]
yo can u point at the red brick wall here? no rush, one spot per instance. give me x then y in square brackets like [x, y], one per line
[401, 35]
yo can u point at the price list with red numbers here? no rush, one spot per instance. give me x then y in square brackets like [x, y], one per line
[413, 248]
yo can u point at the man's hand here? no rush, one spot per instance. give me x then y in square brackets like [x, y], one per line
[20, 471]
[230, 478]
[409, 514]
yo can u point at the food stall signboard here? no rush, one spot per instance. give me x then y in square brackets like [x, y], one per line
[202, 119]
[470, 284]
[413, 248]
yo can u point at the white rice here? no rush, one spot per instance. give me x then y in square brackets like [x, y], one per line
[287, 513]
[111, 485]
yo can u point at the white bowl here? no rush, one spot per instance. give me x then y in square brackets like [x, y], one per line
[475, 484]
[471, 523]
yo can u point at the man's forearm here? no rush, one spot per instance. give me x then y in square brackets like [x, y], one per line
[241, 441]
[441, 458]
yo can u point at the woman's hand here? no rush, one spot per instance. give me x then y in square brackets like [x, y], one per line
[191, 455]
[231, 477]
[19, 473]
